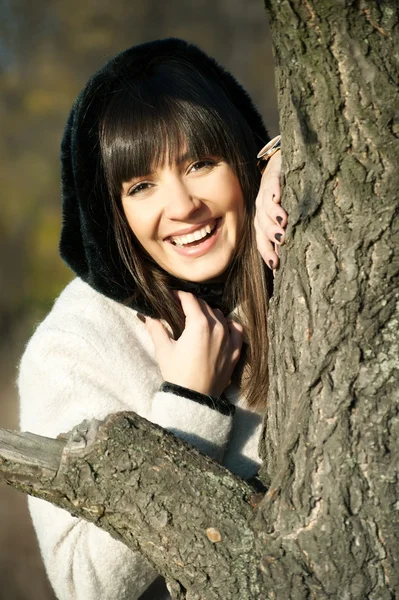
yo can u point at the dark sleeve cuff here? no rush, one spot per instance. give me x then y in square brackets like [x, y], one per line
[221, 404]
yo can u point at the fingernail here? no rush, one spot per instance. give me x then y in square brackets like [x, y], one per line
[278, 236]
[279, 220]
[141, 317]
[271, 264]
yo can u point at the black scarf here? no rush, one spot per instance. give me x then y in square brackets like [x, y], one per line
[212, 293]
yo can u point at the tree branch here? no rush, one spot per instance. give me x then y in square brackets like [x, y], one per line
[140, 483]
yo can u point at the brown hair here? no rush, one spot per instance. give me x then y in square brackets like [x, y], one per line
[147, 122]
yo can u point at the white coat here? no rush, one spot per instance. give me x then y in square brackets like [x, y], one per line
[91, 357]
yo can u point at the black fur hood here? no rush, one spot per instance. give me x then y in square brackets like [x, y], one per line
[87, 242]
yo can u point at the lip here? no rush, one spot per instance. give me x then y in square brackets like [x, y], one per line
[202, 248]
[190, 229]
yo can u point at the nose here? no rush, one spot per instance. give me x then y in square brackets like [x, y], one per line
[180, 203]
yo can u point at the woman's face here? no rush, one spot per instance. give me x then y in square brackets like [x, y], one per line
[188, 216]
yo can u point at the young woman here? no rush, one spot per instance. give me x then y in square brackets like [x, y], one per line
[160, 181]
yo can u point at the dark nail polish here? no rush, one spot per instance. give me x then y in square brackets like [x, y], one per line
[141, 317]
[278, 236]
[271, 264]
[279, 220]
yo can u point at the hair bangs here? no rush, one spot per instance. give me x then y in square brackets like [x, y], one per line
[147, 126]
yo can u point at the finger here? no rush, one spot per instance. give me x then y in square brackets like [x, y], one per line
[276, 195]
[272, 177]
[214, 315]
[189, 303]
[266, 250]
[271, 188]
[219, 316]
[194, 310]
[270, 230]
[161, 338]
[266, 207]
[277, 214]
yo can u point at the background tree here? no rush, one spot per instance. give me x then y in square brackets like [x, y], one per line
[328, 526]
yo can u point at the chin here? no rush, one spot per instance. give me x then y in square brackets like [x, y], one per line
[201, 275]
[211, 278]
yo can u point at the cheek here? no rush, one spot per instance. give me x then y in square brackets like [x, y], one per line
[142, 225]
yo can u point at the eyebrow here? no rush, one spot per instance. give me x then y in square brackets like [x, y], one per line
[180, 160]
[184, 158]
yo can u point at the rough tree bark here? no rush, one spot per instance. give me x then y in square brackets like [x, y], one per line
[188, 515]
[330, 443]
[328, 526]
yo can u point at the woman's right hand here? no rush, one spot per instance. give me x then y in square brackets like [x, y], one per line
[204, 356]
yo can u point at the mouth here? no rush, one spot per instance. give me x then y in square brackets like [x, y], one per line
[196, 238]
[198, 242]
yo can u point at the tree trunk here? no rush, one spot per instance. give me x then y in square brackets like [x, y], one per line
[329, 525]
[330, 442]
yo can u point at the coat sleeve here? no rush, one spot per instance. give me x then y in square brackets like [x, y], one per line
[63, 380]
[203, 421]
[85, 563]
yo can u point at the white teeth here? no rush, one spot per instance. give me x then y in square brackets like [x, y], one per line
[181, 240]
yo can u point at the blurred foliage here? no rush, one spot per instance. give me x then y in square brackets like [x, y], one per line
[47, 52]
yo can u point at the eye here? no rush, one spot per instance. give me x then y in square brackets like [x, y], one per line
[200, 165]
[142, 186]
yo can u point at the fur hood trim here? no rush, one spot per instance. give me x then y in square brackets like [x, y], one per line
[87, 241]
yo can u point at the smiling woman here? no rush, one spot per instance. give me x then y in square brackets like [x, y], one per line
[159, 181]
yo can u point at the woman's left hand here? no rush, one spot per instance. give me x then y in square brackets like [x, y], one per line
[270, 218]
